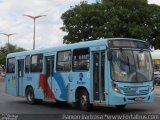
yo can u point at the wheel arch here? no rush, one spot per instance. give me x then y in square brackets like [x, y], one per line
[79, 89]
[28, 86]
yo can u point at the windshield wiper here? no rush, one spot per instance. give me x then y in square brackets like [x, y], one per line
[138, 62]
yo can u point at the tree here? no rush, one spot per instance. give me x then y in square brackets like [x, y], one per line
[112, 18]
[4, 51]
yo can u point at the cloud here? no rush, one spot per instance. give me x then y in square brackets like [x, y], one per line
[48, 33]
[154, 2]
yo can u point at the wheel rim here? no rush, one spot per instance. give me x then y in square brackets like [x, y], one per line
[83, 100]
[30, 96]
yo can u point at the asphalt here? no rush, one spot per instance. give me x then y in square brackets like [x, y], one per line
[157, 91]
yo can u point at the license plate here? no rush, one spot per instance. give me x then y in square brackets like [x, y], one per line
[138, 99]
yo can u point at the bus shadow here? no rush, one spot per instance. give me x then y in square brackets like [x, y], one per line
[111, 110]
[95, 109]
[98, 109]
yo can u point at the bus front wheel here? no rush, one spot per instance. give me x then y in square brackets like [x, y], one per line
[30, 95]
[84, 100]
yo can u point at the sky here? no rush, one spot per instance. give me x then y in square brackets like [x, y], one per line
[48, 33]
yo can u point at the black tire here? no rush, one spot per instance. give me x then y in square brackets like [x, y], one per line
[84, 101]
[30, 95]
[120, 106]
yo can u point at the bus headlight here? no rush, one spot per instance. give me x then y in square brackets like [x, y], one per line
[115, 88]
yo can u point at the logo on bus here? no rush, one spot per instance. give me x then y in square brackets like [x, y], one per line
[80, 76]
[80, 79]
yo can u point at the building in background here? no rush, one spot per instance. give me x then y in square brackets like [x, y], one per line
[156, 64]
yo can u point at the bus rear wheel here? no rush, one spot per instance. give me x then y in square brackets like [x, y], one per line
[30, 95]
[84, 100]
[120, 106]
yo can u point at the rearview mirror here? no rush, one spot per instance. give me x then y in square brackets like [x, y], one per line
[109, 55]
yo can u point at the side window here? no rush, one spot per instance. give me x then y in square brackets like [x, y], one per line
[36, 63]
[27, 64]
[81, 59]
[64, 61]
[11, 65]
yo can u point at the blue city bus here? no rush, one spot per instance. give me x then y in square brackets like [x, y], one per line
[109, 72]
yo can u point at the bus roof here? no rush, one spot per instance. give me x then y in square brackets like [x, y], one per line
[64, 47]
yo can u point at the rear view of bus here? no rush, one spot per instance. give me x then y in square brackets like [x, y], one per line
[131, 72]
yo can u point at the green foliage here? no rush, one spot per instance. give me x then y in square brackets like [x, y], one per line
[112, 18]
[4, 51]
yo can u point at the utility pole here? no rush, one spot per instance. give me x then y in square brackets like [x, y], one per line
[8, 35]
[34, 31]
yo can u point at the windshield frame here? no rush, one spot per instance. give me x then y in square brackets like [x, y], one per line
[133, 49]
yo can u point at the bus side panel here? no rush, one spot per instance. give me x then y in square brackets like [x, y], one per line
[78, 79]
[61, 86]
[11, 84]
[32, 79]
[67, 83]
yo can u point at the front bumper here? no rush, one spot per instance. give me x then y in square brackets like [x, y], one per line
[120, 99]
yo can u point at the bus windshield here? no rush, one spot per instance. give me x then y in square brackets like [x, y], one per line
[131, 66]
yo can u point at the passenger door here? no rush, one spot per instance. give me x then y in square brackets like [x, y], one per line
[98, 76]
[50, 73]
[20, 76]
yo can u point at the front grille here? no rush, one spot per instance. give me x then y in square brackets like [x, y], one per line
[134, 91]
[144, 92]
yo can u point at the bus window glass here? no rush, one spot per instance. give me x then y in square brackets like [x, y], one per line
[37, 63]
[144, 66]
[81, 59]
[64, 61]
[27, 64]
[11, 65]
[131, 66]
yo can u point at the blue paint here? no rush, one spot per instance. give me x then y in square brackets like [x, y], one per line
[80, 76]
[29, 78]
[70, 77]
[61, 84]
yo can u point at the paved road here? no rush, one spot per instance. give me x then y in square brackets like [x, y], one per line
[157, 90]
[16, 105]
